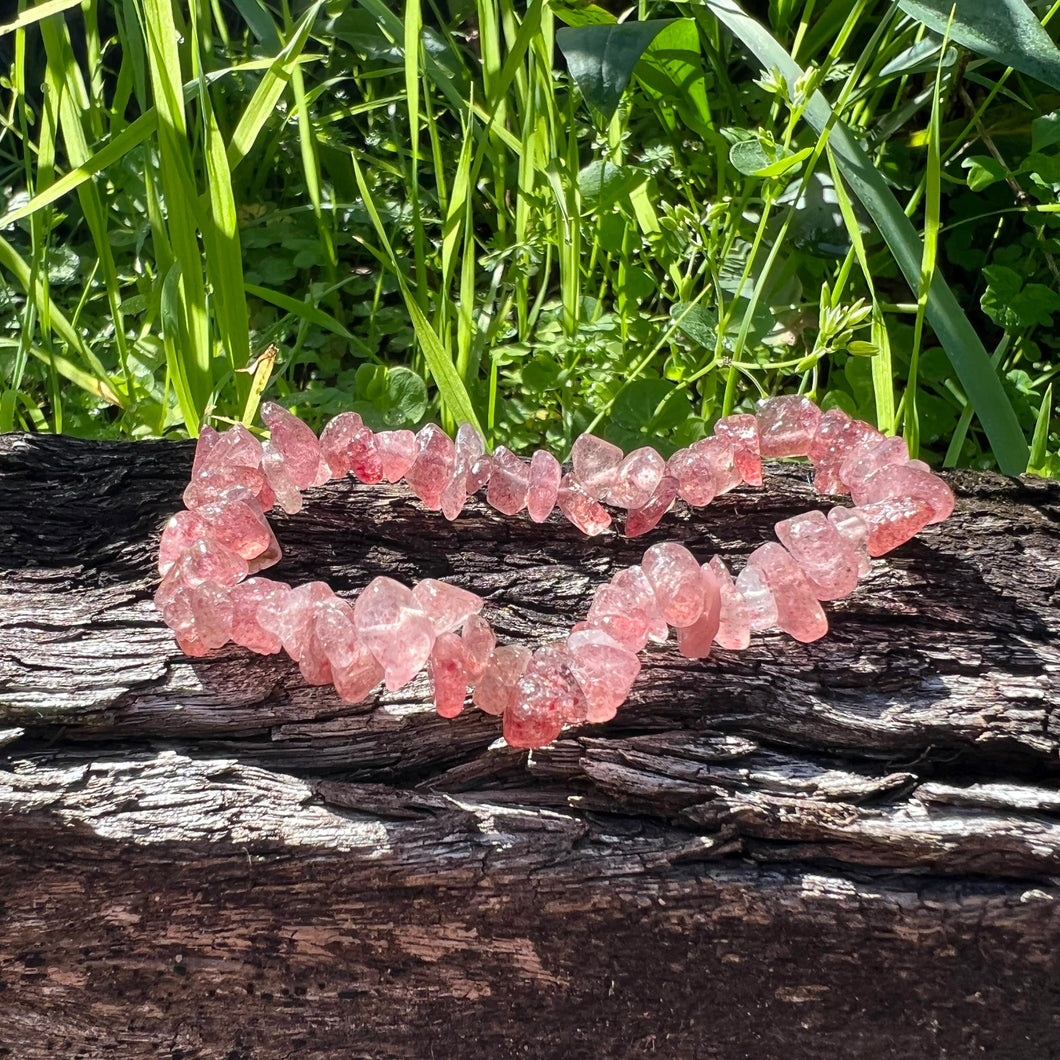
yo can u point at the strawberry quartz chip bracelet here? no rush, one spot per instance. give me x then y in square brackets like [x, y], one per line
[211, 554]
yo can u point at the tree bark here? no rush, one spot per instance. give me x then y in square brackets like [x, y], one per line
[846, 848]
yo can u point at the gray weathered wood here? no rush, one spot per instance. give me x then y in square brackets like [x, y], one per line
[850, 847]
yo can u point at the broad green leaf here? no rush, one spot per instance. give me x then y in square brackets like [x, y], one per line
[960, 340]
[982, 171]
[671, 69]
[581, 13]
[602, 184]
[1005, 30]
[601, 59]
[389, 397]
[1045, 131]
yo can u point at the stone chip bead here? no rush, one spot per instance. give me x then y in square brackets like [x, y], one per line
[547, 697]
[447, 672]
[676, 580]
[297, 445]
[394, 630]
[604, 670]
[799, 614]
[695, 641]
[636, 479]
[546, 472]
[432, 469]
[827, 558]
[594, 463]
[786, 425]
[889, 483]
[588, 515]
[509, 482]
[741, 432]
[734, 619]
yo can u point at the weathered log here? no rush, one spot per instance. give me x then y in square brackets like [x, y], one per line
[847, 848]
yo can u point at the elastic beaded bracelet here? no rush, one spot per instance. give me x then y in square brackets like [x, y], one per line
[210, 553]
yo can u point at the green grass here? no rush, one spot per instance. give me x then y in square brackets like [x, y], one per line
[467, 217]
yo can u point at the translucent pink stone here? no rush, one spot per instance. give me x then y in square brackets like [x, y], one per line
[677, 582]
[636, 479]
[594, 463]
[696, 640]
[734, 621]
[191, 645]
[863, 462]
[758, 599]
[855, 531]
[469, 446]
[394, 630]
[433, 467]
[235, 447]
[454, 496]
[336, 439]
[639, 596]
[203, 561]
[604, 670]
[495, 689]
[447, 606]
[240, 524]
[836, 437]
[397, 452]
[248, 598]
[640, 520]
[313, 661]
[613, 612]
[579, 508]
[480, 473]
[354, 669]
[297, 445]
[213, 484]
[211, 609]
[786, 425]
[288, 496]
[545, 476]
[799, 614]
[829, 561]
[292, 620]
[693, 471]
[898, 481]
[181, 531]
[479, 642]
[447, 670]
[892, 522]
[720, 456]
[510, 482]
[547, 697]
[741, 432]
[208, 439]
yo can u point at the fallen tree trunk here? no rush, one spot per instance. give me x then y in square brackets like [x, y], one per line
[850, 847]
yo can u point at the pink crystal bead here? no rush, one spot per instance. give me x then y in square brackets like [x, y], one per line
[447, 670]
[397, 453]
[826, 557]
[741, 432]
[180, 532]
[207, 441]
[594, 463]
[363, 456]
[899, 481]
[495, 689]
[604, 670]
[336, 439]
[676, 580]
[855, 531]
[239, 523]
[297, 445]
[288, 496]
[545, 476]
[693, 471]
[695, 641]
[248, 598]
[720, 456]
[892, 522]
[447, 606]
[639, 596]
[865, 461]
[734, 621]
[509, 483]
[613, 612]
[758, 599]
[580, 509]
[454, 496]
[786, 425]
[212, 614]
[640, 520]
[204, 561]
[799, 614]
[394, 629]
[354, 670]
[635, 479]
[433, 467]
[547, 697]
[480, 473]
[235, 447]
[836, 438]
[479, 641]
[469, 446]
[292, 620]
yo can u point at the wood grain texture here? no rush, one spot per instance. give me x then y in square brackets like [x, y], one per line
[848, 848]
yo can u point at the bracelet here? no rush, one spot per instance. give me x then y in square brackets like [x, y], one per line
[211, 552]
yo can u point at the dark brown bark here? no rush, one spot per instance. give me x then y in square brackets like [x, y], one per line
[849, 848]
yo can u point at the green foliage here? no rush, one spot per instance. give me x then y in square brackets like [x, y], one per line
[541, 217]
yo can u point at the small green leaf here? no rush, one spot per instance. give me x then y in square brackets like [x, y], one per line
[601, 59]
[696, 323]
[1045, 131]
[389, 397]
[983, 171]
[602, 183]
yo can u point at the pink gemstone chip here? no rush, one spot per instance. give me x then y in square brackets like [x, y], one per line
[614, 612]
[594, 463]
[239, 523]
[693, 471]
[546, 698]
[734, 621]
[836, 438]
[336, 439]
[640, 596]
[297, 445]
[248, 599]
[495, 689]
[292, 620]
[394, 629]
[447, 606]
[741, 432]
[827, 558]
[758, 599]
[545, 475]
[397, 453]
[720, 456]
[787, 425]
[479, 642]
[862, 462]
[799, 614]
[509, 483]
[579, 508]
[604, 670]
[635, 479]
[892, 522]
[696, 640]
[677, 582]
[640, 520]
[900, 481]
[447, 670]
[433, 467]
[354, 669]
[288, 495]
